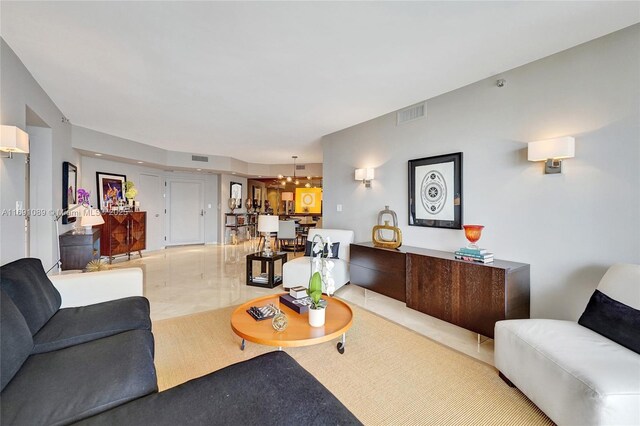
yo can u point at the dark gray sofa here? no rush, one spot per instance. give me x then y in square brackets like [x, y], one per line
[94, 365]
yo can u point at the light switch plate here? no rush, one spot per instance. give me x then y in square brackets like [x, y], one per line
[339, 207]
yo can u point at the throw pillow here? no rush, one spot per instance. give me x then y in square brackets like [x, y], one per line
[613, 320]
[335, 248]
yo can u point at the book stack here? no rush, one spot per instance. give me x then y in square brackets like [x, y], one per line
[297, 300]
[298, 292]
[478, 255]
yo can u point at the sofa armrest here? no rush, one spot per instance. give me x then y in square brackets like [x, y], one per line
[88, 288]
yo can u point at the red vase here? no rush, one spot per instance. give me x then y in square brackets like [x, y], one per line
[473, 234]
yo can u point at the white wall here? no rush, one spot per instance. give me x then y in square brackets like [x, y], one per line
[20, 90]
[41, 198]
[569, 227]
[91, 165]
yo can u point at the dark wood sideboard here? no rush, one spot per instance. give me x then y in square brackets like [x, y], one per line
[76, 250]
[123, 233]
[470, 295]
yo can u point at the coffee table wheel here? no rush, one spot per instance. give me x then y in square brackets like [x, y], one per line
[242, 345]
[340, 347]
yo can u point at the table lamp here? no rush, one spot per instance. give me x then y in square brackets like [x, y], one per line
[89, 218]
[267, 224]
[286, 197]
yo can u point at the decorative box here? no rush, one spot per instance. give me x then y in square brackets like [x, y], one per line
[300, 306]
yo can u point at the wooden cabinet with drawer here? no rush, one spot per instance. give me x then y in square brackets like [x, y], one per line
[470, 295]
[123, 233]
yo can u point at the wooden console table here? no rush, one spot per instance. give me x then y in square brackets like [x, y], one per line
[123, 233]
[470, 295]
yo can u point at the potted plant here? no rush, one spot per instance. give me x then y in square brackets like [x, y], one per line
[321, 280]
[130, 191]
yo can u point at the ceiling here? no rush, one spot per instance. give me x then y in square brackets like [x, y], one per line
[260, 81]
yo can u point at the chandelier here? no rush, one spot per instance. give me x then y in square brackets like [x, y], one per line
[290, 178]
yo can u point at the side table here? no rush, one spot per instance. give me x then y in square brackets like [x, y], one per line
[267, 277]
[76, 250]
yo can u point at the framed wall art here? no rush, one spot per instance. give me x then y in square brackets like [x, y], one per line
[235, 191]
[257, 196]
[69, 189]
[435, 191]
[110, 189]
[308, 200]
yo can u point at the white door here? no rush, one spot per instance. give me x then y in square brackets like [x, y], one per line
[185, 208]
[151, 200]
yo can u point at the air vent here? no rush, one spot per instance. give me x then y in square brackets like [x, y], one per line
[412, 113]
[201, 158]
[300, 167]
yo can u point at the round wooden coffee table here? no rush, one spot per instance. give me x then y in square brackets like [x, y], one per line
[339, 317]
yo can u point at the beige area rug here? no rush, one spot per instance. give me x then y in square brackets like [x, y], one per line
[387, 375]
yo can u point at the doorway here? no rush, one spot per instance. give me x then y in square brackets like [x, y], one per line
[40, 233]
[185, 211]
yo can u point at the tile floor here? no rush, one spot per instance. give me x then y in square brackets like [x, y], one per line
[184, 280]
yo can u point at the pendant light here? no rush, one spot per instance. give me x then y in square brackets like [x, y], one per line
[288, 179]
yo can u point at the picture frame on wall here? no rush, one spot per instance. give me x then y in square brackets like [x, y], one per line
[257, 196]
[235, 191]
[110, 189]
[69, 189]
[435, 191]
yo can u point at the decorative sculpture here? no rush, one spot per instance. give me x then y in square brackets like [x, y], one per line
[391, 244]
[378, 232]
[393, 219]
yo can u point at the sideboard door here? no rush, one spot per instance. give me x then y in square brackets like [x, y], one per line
[138, 231]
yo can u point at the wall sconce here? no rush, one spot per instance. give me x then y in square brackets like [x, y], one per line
[552, 151]
[13, 139]
[365, 175]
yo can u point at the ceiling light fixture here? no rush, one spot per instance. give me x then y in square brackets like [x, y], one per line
[293, 178]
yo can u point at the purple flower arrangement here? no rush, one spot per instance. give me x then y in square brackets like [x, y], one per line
[83, 196]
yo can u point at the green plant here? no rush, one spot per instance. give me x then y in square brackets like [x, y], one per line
[130, 190]
[315, 291]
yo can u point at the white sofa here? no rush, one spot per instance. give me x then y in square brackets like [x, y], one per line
[297, 272]
[573, 374]
[88, 288]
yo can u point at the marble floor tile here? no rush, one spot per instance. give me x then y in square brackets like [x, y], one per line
[190, 279]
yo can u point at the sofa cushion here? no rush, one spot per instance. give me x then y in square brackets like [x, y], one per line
[575, 375]
[70, 384]
[612, 319]
[297, 272]
[16, 342]
[335, 249]
[271, 389]
[342, 236]
[26, 282]
[72, 326]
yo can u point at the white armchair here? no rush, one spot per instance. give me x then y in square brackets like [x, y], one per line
[297, 272]
[88, 288]
[575, 375]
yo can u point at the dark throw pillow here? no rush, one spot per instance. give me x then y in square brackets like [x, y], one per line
[335, 247]
[612, 319]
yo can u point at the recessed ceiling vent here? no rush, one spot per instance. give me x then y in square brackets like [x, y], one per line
[412, 113]
[301, 167]
[201, 158]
